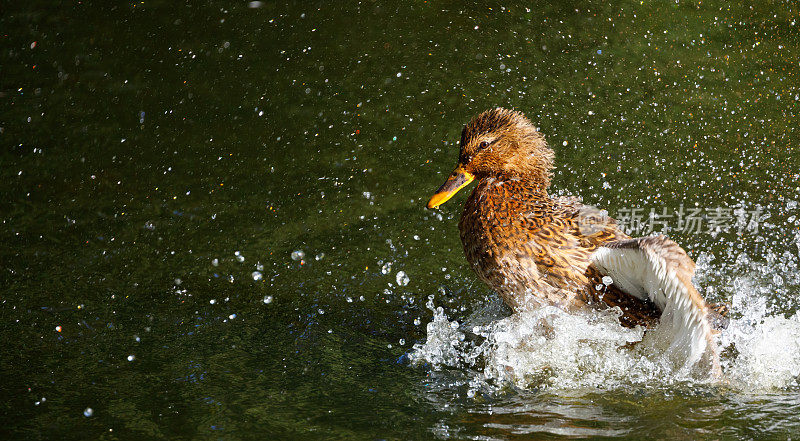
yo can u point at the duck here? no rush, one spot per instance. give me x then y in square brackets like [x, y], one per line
[536, 250]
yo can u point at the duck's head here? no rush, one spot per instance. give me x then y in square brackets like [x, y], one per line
[498, 143]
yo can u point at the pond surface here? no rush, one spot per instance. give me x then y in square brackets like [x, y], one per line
[213, 221]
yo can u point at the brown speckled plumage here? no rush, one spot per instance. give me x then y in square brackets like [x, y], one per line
[533, 249]
[529, 247]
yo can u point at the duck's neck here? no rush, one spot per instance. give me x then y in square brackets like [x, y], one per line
[534, 185]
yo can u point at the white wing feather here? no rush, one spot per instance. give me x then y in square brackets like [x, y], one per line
[657, 269]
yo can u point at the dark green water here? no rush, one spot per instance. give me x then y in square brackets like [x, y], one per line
[156, 154]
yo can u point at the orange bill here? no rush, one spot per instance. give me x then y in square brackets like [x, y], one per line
[456, 181]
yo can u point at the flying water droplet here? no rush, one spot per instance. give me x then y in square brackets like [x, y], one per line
[402, 279]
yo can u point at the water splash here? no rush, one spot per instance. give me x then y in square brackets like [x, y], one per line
[549, 348]
[766, 345]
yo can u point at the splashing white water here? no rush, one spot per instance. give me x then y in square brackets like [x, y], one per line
[557, 350]
[767, 346]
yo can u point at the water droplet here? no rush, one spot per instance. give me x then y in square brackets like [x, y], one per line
[267, 300]
[131, 357]
[88, 412]
[402, 279]
[257, 276]
[298, 254]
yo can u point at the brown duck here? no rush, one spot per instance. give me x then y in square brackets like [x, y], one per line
[537, 250]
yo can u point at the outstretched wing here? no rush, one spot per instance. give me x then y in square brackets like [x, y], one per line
[657, 269]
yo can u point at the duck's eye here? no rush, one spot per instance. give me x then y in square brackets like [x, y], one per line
[483, 144]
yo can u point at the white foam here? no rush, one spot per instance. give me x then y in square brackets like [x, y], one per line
[549, 348]
[766, 347]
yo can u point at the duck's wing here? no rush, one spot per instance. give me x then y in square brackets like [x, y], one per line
[657, 269]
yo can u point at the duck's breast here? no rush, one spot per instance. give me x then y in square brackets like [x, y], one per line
[519, 247]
